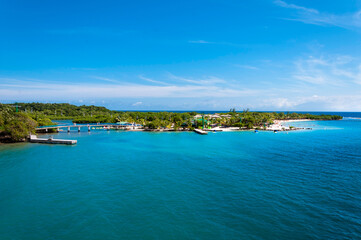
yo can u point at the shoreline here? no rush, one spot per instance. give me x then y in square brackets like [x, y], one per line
[278, 125]
[296, 120]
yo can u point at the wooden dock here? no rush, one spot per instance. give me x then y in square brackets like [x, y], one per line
[35, 139]
[199, 131]
[107, 126]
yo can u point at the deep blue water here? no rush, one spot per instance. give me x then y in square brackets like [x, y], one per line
[139, 185]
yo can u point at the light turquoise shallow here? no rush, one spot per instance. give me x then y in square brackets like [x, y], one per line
[138, 185]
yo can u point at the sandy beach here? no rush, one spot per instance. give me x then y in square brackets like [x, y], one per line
[279, 124]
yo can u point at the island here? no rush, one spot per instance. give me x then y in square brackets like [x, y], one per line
[18, 121]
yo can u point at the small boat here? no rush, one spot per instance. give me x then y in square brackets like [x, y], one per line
[256, 131]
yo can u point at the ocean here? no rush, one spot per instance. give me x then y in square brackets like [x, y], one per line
[225, 185]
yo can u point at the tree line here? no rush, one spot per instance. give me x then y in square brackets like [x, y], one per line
[15, 126]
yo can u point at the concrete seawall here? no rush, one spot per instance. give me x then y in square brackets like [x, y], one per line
[35, 139]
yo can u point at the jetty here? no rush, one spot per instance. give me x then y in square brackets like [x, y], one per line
[46, 129]
[199, 131]
[50, 140]
[105, 126]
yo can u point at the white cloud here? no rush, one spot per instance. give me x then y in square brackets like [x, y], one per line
[247, 67]
[90, 31]
[58, 91]
[333, 70]
[200, 41]
[137, 103]
[83, 69]
[317, 83]
[106, 79]
[293, 6]
[311, 79]
[313, 16]
[151, 80]
[218, 43]
[315, 103]
[203, 81]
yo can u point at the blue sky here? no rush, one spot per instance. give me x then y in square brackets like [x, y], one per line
[183, 55]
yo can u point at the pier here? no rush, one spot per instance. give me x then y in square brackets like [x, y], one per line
[68, 128]
[199, 131]
[35, 139]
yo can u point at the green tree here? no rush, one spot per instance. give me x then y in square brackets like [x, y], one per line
[19, 127]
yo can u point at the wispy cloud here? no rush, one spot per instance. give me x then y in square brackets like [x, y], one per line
[83, 69]
[89, 31]
[313, 16]
[202, 81]
[200, 42]
[294, 6]
[56, 91]
[151, 80]
[137, 103]
[333, 70]
[106, 79]
[193, 94]
[247, 67]
[311, 70]
[219, 43]
[315, 102]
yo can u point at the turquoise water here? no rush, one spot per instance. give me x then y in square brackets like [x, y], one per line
[139, 185]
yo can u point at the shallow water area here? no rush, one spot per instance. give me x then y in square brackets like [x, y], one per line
[181, 185]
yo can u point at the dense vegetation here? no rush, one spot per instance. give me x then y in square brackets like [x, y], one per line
[249, 120]
[17, 125]
[64, 110]
[245, 119]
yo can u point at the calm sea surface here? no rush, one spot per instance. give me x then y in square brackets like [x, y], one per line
[139, 185]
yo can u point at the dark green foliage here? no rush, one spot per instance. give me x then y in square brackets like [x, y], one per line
[42, 113]
[252, 119]
[42, 119]
[151, 125]
[15, 126]
[63, 109]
